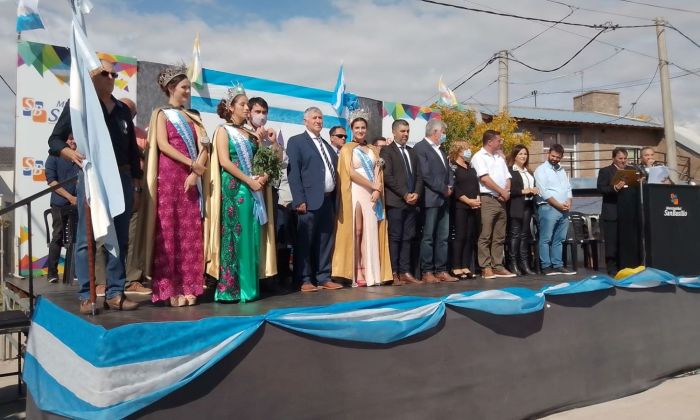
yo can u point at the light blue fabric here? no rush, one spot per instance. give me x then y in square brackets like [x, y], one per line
[553, 183]
[553, 226]
[589, 284]
[508, 301]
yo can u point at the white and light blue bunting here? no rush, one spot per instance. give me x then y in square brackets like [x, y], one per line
[79, 370]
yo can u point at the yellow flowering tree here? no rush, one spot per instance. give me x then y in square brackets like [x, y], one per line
[507, 126]
[460, 124]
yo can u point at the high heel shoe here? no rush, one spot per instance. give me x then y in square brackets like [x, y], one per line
[460, 275]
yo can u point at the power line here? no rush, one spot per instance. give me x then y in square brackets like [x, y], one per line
[638, 97]
[534, 19]
[602, 12]
[8, 85]
[617, 51]
[571, 12]
[661, 7]
[567, 61]
[491, 60]
[668, 25]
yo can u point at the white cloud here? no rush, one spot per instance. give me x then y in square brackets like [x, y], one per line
[391, 51]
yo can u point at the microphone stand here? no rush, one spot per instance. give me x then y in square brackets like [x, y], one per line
[642, 180]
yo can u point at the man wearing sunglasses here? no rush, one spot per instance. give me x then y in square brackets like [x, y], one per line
[338, 137]
[121, 131]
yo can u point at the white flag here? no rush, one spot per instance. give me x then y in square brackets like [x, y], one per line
[103, 188]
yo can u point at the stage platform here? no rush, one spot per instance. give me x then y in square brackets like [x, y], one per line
[486, 349]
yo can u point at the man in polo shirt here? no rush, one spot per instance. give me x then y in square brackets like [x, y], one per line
[553, 211]
[494, 189]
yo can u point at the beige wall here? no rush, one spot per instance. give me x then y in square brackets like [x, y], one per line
[606, 102]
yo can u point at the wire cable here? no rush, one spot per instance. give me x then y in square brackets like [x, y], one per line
[491, 60]
[636, 101]
[668, 25]
[617, 51]
[8, 85]
[602, 12]
[534, 19]
[571, 12]
[676, 9]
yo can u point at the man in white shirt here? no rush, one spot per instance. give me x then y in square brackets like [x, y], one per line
[311, 172]
[494, 190]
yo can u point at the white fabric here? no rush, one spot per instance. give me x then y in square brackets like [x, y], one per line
[528, 179]
[436, 148]
[376, 314]
[328, 184]
[492, 165]
[403, 151]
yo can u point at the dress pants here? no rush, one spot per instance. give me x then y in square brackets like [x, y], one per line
[493, 232]
[401, 230]
[60, 217]
[611, 237]
[314, 243]
[466, 233]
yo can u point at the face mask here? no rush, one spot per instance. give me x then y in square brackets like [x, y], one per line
[258, 120]
[443, 138]
[467, 154]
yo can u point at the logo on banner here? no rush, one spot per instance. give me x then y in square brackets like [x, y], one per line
[34, 168]
[39, 113]
[675, 210]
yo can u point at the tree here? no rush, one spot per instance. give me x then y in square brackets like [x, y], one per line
[460, 124]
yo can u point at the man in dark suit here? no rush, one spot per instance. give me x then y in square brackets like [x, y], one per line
[403, 187]
[437, 181]
[312, 178]
[609, 209]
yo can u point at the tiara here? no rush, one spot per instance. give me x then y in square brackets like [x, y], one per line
[170, 73]
[232, 92]
[358, 113]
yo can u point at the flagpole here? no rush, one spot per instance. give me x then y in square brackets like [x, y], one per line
[90, 236]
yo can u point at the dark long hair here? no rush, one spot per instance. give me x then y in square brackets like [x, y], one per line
[513, 153]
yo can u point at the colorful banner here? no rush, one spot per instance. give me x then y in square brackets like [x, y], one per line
[42, 90]
[416, 116]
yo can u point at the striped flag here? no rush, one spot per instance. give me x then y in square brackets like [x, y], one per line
[28, 16]
[447, 97]
[92, 137]
[339, 93]
[194, 73]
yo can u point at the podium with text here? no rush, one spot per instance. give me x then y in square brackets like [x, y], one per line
[672, 219]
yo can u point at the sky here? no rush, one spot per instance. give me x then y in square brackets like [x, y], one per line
[394, 50]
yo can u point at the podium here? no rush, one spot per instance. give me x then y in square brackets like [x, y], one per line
[672, 228]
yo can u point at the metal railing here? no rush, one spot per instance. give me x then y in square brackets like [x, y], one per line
[28, 203]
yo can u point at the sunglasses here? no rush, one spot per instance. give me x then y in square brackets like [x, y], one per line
[105, 73]
[340, 136]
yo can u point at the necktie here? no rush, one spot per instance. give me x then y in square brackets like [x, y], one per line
[409, 174]
[326, 158]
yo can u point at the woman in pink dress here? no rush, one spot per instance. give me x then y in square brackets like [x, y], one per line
[178, 250]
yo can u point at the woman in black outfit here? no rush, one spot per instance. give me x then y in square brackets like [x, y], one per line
[466, 213]
[520, 210]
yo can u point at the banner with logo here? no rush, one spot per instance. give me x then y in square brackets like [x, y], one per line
[42, 90]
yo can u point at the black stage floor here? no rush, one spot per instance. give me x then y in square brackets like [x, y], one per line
[66, 297]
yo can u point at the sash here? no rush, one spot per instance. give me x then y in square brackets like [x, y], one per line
[185, 131]
[368, 167]
[244, 150]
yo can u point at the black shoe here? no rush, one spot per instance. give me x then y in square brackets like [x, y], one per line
[513, 268]
[53, 279]
[565, 271]
[525, 269]
[549, 271]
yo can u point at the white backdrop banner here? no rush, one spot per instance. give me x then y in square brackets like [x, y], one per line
[42, 90]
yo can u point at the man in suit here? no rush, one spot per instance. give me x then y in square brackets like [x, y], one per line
[437, 181]
[312, 178]
[608, 212]
[402, 189]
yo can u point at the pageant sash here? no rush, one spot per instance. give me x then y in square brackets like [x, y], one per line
[185, 131]
[368, 167]
[244, 150]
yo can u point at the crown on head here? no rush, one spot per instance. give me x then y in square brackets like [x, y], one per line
[234, 91]
[170, 73]
[358, 113]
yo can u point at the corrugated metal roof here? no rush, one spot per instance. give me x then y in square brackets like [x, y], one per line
[564, 115]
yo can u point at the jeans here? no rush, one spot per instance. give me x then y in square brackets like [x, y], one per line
[60, 237]
[554, 225]
[114, 269]
[433, 247]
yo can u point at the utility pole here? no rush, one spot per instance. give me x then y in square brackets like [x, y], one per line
[669, 131]
[503, 81]
[534, 93]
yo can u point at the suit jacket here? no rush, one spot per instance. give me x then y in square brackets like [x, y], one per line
[437, 176]
[517, 202]
[395, 177]
[605, 177]
[306, 170]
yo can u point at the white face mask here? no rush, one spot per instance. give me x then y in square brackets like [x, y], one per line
[467, 154]
[258, 120]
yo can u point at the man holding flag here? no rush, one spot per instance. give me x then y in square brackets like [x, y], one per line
[96, 156]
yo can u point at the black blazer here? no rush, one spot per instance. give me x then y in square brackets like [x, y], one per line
[605, 177]
[437, 176]
[395, 181]
[306, 170]
[517, 201]
[466, 184]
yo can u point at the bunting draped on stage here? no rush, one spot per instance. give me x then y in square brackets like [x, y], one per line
[80, 370]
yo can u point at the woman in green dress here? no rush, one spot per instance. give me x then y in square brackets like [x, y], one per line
[242, 203]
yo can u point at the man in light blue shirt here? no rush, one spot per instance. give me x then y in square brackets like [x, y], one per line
[553, 211]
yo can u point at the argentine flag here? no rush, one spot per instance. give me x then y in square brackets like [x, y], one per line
[28, 15]
[339, 93]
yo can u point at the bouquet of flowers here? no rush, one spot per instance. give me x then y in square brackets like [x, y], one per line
[267, 161]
